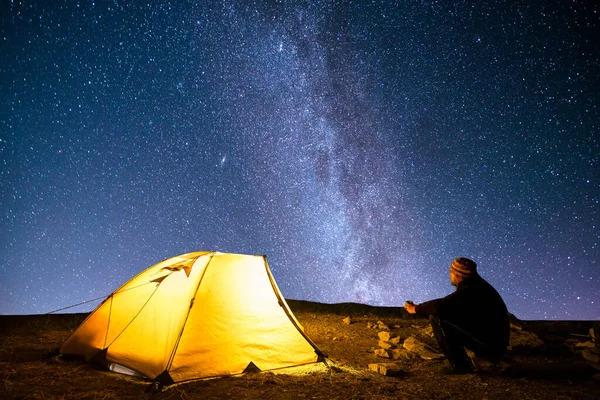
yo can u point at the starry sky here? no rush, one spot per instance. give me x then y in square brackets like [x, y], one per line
[360, 145]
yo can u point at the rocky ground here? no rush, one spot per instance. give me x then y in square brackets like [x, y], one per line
[374, 353]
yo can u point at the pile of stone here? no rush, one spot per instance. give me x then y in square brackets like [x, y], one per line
[388, 346]
[394, 349]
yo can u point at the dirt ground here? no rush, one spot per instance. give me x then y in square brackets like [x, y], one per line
[30, 368]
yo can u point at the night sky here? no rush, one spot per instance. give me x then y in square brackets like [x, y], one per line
[360, 145]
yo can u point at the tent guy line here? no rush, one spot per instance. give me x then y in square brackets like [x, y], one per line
[91, 300]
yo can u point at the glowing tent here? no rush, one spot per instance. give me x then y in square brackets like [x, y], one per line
[194, 316]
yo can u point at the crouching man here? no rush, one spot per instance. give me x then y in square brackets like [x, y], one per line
[473, 317]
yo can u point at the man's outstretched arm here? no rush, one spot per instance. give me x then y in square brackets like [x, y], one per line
[427, 308]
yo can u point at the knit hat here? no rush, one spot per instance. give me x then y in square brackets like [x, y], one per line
[463, 267]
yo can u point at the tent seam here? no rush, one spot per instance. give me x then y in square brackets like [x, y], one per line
[192, 301]
[108, 322]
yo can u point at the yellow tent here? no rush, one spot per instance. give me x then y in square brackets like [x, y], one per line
[194, 316]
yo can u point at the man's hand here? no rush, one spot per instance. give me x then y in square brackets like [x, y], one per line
[409, 306]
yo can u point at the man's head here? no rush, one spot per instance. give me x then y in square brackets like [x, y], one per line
[460, 269]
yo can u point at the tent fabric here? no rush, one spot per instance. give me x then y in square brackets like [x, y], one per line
[193, 316]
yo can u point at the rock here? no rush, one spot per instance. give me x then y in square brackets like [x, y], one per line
[571, 343]
[595, 332]
[385, 336]
[428, 330]
[382, 326]
[347, 320]
[515, 327]
[421, 349]
[382, 353]
[395, 340]
[480, 364]
[586, 345]
[397, 353]
[525, 341]
[374, 367]
[592, 355]
[385, 345]
[387, 369]
[402, 354]
[515, 324]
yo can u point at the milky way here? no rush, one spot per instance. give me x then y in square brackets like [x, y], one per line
[360, 145]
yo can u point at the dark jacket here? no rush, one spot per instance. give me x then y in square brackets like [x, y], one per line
[475, 307]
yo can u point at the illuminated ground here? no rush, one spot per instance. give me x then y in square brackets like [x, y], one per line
[31, 370]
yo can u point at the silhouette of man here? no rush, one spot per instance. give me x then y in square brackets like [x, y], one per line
[473, 317]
